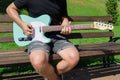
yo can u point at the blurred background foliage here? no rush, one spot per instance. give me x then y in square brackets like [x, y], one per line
[3, 5]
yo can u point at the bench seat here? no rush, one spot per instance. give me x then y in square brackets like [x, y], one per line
[18, 57]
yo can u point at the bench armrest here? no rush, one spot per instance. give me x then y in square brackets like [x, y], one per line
[115, 39]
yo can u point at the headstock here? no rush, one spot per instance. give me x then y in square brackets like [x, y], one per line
[103, 26]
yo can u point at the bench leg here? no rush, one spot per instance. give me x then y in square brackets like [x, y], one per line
[61, 77]
[107, 60]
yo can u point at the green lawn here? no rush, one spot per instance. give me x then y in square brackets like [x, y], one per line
[86, 7]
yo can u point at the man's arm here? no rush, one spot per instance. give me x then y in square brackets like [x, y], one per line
[66, 29]
[12, 12]
[65, 21]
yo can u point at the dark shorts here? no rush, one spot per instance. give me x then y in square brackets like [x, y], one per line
[54, 46]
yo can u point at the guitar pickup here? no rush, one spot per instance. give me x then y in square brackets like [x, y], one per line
[25, 38]
[40, 29]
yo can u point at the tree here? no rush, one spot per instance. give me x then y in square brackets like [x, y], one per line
[112, 9]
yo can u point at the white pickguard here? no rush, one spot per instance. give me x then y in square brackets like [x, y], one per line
[38, 34]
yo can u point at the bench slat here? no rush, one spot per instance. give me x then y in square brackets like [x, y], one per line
[13, 57]
[110, 46]
[32, 76]
[5, 28]
[71, 36]
[90, 18]
[6, 39]
[6, 19]
[89, 35]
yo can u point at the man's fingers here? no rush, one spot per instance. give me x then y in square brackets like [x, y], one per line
[28, 30]
[29, 26]
[66, 30]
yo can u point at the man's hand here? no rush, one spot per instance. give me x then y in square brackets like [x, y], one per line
[27, 29]
[66, 29]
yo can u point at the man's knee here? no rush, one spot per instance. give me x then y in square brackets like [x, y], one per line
[72, 57]
[38, 59]
[72, 61]
[68, 63]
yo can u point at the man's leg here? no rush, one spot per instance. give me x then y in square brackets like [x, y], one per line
[39, 60]
[39, 57]
[70, 58]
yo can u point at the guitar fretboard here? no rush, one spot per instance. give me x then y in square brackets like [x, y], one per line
[73, 27]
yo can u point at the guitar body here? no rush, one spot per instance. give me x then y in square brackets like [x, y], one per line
[43, 20]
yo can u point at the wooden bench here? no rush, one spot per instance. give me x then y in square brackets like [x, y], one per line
[18, 57]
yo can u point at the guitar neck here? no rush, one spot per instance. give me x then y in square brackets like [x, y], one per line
[73, 27]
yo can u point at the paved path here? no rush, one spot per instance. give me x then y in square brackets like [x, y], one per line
[111, 77]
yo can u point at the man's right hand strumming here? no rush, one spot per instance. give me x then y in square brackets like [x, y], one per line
[27, 28]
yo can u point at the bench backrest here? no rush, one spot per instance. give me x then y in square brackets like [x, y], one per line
[6, 26]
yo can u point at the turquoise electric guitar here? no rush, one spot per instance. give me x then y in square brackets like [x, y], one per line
[41, 25]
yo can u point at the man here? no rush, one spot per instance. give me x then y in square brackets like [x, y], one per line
[38, 51]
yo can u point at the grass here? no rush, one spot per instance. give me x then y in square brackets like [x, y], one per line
[86, 7]
[75, 7]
